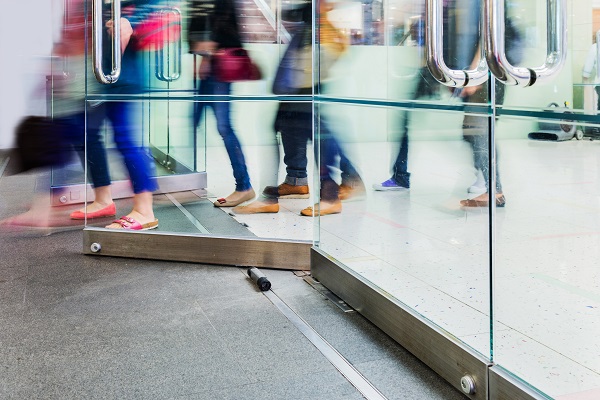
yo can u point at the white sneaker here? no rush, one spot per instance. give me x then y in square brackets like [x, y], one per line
[478, 187]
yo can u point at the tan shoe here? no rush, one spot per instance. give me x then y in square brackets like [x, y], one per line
[286, 191]
[323, 208]
[483, 200]
[257, 207]
[352, 193]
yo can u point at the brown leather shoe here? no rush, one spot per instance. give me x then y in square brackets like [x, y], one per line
[352, 192]
[323, 208]
[483, 200]
[286, 191]
[257, 207]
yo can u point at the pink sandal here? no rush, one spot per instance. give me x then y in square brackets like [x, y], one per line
[131, 224]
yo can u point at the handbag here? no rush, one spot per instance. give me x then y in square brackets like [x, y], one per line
[234, 65]
[41, 142]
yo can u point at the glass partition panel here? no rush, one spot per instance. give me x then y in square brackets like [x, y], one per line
[65, 82]
[175, 115]
[405, 229]
[545, 280]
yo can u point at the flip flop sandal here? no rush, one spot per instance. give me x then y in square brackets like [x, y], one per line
[131, 224]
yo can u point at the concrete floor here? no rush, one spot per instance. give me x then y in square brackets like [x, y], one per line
[75, 327]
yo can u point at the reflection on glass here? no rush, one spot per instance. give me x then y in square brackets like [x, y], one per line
[418, 245]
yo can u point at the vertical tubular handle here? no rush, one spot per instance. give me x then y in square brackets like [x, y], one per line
[160, 54]
[496, 48]
[97, 45]
[435, 52]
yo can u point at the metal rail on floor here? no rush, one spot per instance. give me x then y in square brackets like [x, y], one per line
[357, 380]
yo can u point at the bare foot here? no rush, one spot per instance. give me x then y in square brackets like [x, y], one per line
[33, 218]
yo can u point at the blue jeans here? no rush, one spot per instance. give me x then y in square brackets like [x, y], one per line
[222, 110]
[127, 137]
[294, 122]
[427, 86]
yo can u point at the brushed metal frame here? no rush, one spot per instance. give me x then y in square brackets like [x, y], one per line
[78, 193]
[431, 344]
[220, 250]
[428, 342]
[503, 385]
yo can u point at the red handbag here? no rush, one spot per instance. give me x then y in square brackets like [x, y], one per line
[234, 65]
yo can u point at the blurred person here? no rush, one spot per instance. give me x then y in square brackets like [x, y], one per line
[83, 122]
[591, 66]
[466, 19]
[426, 86]
[294, 121]
[127, 134]
[213, 26]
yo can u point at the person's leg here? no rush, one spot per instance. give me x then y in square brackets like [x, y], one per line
[243, 188]
[352, 186]
[269, 176]
[295, 136]
[87, 138]
[294, 122]
[139, 164]
[475, 132]
[400, 169]
[400, 179]
[327, 150]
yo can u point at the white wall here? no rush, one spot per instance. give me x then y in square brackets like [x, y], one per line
[25, 43]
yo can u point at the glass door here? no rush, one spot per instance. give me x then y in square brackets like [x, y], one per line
[416, 147]
[453, 195]
[471, 125]
[159, 46]
[175, 101]
[545, 296]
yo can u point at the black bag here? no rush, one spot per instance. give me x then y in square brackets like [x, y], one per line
[41, 142]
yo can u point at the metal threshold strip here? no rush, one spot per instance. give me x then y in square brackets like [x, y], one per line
[339, 362]
[187, 214]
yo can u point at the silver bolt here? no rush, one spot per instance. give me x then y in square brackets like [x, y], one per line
[62, 199]
[95, 247]
[467, 384]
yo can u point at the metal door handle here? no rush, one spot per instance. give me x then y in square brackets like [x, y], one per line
[435, 52]
[97, 45]
[160, 53]
[496, 49]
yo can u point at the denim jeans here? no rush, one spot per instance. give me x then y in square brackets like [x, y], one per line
[222, 110]
[427, 86]
[127, 138]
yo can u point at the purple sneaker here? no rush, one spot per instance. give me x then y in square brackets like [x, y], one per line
[388, 185]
